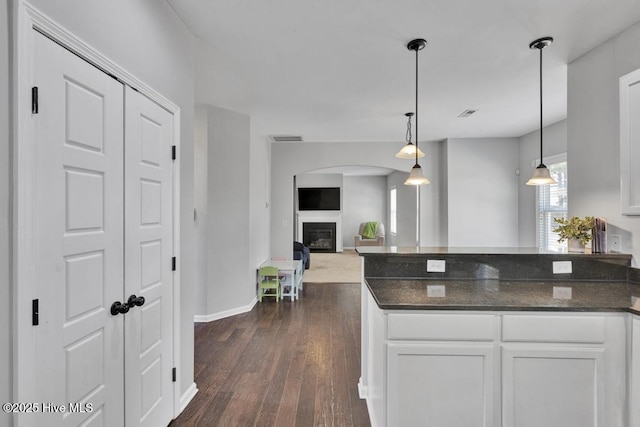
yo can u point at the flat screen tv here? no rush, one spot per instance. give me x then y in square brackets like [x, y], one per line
[319, 199]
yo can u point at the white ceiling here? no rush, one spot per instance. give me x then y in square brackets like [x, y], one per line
[339, 70]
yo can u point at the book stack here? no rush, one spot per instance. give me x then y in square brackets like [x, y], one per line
[599, 236]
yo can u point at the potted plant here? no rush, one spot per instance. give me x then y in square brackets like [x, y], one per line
[576, 230]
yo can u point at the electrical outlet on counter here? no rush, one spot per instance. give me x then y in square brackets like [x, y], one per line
[562, 267]
[436, 266]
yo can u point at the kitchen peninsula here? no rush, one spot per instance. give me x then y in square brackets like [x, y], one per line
[499, 337]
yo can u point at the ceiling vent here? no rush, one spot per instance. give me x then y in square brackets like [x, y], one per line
[467, 113]
[286, 138]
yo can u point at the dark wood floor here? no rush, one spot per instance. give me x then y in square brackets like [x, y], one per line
[282, 364]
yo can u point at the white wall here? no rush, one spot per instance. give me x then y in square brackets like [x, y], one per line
[146, 38]
[226, 281]
[593, 135]
[482, 192]
[201, 208]
[320, 180]
[5, 225]
[290, 159]
[431, 233]
[219, 84]
[443, 209]
[365, 199]
[555, 142]
[259, 197]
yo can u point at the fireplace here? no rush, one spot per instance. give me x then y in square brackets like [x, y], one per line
[319, 236]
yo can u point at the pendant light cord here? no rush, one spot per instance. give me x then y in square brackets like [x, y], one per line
[416, 165]
[417, 105]
[541, 161]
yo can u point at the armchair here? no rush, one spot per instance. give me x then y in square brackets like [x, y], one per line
[302, 252]
[378, 240]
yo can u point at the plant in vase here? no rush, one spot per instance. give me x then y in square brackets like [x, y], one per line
[578, 231]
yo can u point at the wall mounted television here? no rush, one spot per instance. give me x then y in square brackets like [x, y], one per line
[319, 198]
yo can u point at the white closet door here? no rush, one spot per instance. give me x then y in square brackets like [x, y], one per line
[148, 261]
[78, 239]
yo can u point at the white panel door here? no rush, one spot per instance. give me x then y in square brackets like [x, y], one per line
[630, 143]
[555, 386]
[441, 385]
[78, 240]
[103, 227]
[148, 260]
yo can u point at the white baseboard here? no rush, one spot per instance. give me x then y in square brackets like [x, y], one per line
[203, 318]
[362, 389]
[187, 396]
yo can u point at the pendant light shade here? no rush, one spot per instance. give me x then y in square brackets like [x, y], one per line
[416, 177]
[409, 150]
[541, 175]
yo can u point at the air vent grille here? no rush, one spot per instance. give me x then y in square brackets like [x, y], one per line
[286, 138]
[467, 113]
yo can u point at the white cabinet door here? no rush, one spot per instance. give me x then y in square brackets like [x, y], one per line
[630, 143]
[553, 386]
[441, 385]
[634, 398]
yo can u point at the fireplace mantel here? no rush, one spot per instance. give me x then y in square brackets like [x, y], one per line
[320, 216]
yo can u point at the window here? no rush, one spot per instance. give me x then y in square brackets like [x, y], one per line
[551, 202]
[393, 213]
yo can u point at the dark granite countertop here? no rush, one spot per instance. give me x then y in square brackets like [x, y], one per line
[505, 295]
[634, 290]
[500, 279]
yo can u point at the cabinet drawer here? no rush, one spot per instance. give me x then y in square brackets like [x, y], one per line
[544, 328]
[441, 327]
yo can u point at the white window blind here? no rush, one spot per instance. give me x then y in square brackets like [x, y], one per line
[551, 202]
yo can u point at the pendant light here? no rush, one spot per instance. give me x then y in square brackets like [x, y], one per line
[409, 150]
[541, 174]
[416, 177]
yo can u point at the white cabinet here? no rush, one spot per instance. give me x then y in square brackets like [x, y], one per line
[436, 368]
[553, 386]
[564, 370]
[634, 392]
[514, 369]
[436, 384]
[629, 141]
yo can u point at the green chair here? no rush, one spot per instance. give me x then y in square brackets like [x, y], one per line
[269, 281]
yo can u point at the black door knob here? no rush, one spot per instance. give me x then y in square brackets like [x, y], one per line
[134, 300]
[119, 308]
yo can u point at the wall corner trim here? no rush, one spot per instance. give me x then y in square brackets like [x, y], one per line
[187, 396]
[204, 318]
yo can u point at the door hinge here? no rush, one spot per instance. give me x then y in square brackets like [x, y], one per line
[173, 264]
[35, 312]
[173, 374]
[173, 152]
[34, 100]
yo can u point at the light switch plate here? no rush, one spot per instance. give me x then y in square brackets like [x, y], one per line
[436, 291]
[436, 266]
[562, 267]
